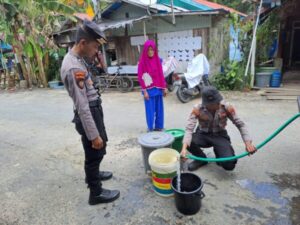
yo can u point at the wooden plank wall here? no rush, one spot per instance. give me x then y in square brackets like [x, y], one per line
[127, 53]
[130, 54]
[204, 34]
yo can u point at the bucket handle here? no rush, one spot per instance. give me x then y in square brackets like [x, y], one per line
[201, 194]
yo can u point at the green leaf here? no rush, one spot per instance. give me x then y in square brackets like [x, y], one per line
[28, 50]
[58, 7]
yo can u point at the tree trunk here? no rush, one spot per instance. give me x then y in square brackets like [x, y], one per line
[19, 55]
[46, 63]
[29, 68]
[24, 69]
[41, 70]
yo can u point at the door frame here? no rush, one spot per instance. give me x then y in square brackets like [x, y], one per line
[295, 26]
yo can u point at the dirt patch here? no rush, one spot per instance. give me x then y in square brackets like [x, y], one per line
[287, 181]
[126, 144]
[295, 212]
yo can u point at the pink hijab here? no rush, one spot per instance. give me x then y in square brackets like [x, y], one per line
[152, 66]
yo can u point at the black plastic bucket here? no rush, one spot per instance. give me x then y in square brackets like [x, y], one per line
[188, 199]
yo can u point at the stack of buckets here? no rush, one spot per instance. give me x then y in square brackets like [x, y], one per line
[164, 164]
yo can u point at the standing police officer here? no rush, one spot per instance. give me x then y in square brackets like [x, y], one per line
[88, 112]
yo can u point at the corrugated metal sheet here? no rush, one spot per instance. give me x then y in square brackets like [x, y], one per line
[187, 4]
[165, 8]
[115, 24]
[214, 5]
[202, 5]
[163, 24]
[126, 11]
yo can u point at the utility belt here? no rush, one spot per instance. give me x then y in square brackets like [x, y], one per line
[92, 104]
[211, 132]
[95, 103]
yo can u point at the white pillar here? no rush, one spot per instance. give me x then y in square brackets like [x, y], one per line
[253, 62]
[145, 33]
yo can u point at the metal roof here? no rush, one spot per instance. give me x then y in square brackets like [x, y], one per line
[155, 8]
[163, 6]
[114, 24]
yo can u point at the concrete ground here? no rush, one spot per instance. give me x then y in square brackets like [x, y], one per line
[42, 178]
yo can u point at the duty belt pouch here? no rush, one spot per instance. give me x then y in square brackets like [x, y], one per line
[78, 124]
[76, 117]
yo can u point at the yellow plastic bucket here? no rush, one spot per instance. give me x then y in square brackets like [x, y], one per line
[164, 164]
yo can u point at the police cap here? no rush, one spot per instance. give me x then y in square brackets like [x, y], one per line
[210, 95]
[93, 31]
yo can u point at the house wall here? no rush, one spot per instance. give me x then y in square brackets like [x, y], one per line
[209, 28]
[217, 43]
[130, 54]
[126, 52]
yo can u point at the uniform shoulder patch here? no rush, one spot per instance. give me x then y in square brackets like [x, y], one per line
[230, 110]
[196, 112]
[80, 77]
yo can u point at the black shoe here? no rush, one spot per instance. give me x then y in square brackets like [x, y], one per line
[159, 129]
[105, 175]
[196, 164]
[106, 196]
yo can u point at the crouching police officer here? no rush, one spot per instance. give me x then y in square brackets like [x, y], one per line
[88, 112]
[211, 116]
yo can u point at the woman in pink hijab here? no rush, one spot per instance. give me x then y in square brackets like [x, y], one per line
[152, 81]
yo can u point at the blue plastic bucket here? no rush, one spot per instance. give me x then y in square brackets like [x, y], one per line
[275, 80]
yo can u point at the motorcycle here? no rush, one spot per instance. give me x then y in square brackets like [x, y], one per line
[186, 94]
[192, 82]
[169, 66]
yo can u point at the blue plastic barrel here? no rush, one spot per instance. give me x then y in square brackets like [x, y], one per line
[275, 80]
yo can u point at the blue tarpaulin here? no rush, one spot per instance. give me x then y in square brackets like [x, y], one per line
[235, 52]
[4, 47]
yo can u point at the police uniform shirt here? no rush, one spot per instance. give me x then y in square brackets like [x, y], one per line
[208, 123]
[80, 87]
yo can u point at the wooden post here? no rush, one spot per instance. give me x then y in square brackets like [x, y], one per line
[145, 33]
[173, 15]
[252, 72]
[253, 39]
[104, 55]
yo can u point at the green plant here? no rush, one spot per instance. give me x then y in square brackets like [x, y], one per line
[34, 20]
[231, 78]
[54, 64]
[245, 7]
[266, 33]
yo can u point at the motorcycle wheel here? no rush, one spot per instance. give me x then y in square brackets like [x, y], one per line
[184, 98]
[169, 82]
[124, 84]
[170, 87]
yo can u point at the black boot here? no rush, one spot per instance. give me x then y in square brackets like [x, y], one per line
[105, 175]
[196, 164]
[104, 196]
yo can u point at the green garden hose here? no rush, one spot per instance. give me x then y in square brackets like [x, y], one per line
[282, 127]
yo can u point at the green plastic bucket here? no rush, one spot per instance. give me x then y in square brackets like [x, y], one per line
[178, 135]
